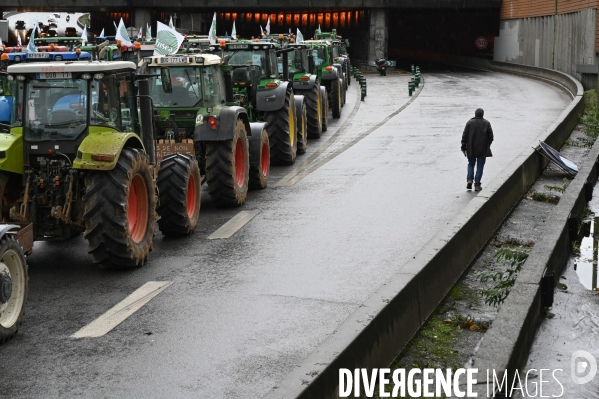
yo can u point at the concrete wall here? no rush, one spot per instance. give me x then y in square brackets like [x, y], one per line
[378, 41]
[530, 41]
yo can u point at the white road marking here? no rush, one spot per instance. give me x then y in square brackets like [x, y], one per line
[122, 310]
[236, 223]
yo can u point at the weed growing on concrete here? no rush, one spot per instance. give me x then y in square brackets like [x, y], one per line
[590, 118]
[542, 197]
[561, 189]
[502, 281]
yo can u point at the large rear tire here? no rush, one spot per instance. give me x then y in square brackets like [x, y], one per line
[325, 108]
[120, 212]
[260, 170]
[314, 111]
[179, 188]
[227, 168]
[282, 132]
[14, 282]
[336, 98]
[302, 127]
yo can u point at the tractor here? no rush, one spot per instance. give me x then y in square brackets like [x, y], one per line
[78, 157]
[202, 115]
[340, 54]
[267, 95]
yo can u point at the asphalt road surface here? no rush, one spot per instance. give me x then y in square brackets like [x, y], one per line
[242, 311]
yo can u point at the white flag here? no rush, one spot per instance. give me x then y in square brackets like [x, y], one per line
[318, 30]
[19, 44]
[122, 35]
[212, 32]
[170, 24]
[234, 32]
[102, 33]
[268, 26]
[37, 26]
[300, 37]
[168, 40]
[115, 27]
[31, 46]
[148, 32]
[261, 31]
[139, 34]
[84, 36]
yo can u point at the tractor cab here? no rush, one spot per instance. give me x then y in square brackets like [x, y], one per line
[70, 42]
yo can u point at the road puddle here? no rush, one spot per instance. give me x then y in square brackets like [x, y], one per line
[586, 264]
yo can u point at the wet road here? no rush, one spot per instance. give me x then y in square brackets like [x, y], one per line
[242, 311]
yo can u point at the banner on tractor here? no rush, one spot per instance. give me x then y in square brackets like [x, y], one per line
[168, 40]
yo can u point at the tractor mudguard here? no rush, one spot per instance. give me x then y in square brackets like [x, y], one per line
[227, 120]
[299, 102]
[272, 100]
[329, 75]
[323, 95]
[254, 141]
[11, 151]
[100, 141]
[305, 84]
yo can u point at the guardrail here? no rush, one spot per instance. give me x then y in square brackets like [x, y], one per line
[374, 334]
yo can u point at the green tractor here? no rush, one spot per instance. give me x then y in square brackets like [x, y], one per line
[201, 114]
[267, 95]
[340, 54]
[79, 158]
[329, 74]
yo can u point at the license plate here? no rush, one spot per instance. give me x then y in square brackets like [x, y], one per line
[238, 46]
[54, 75]
[38, 55]
[173, 60]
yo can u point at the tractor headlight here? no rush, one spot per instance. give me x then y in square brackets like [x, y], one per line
[11, 78]
[21, 77]
[86, 76]
[98, 76]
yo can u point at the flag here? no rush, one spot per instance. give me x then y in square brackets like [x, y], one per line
[148, 32]
[268, 26]
[168, 40]
[31, 46]
[212, 31]
[300, 37]
[226, 34]
[234, 32]
[19, 44]
[84, 36]
[115, 27]
[37, 26]
[170, 23]
[139, 33]
[102, 33]
[122, 35]
[318, 30]
[290, 33]
[261, 31]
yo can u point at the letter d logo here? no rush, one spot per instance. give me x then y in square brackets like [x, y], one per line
[583, 367]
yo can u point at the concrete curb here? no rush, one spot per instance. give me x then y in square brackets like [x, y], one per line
[373, 335]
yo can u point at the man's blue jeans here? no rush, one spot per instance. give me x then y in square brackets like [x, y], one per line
[480, 164]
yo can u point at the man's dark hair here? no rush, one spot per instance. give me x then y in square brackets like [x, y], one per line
[479, 113]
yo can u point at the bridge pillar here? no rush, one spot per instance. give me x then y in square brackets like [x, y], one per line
[143, 17]
[379, 36]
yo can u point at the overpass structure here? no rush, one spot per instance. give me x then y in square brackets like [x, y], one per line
[393, 29]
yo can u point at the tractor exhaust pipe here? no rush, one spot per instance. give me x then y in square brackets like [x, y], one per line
[147, 120]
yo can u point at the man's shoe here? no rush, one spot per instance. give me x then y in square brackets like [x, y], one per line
[477, 188]
[469, 185]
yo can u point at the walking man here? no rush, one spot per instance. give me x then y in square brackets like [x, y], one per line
[476, 146]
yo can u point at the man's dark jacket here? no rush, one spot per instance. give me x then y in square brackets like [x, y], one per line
[477, 137]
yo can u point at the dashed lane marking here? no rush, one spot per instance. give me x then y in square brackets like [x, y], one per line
[233, 225]
[115, 316]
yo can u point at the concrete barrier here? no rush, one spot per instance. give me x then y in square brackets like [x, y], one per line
[375, 333]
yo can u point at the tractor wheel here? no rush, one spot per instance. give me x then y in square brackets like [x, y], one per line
[314, 112]
[120, 212]
[13, 286]
[336, 98]
[347, 67]
[343, 91]
[179, 187]
[227, 168]
[325, 109]
[282, 132]
[260, 172]
[302, 128]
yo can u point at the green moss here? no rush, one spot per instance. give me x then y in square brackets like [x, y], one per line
[460, 292]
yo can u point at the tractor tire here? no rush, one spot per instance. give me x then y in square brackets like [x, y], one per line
[314, 112]
[180, 192]
[282, 132]
[14, 281]
[336, 100]
[120, 212]
[347, 67]
[227, 168]
[343, 92]
[302, 127]
[260, 172]
[325, 109]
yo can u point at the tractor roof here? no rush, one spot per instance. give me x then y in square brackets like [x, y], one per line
[183, 59]
[72, 66]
